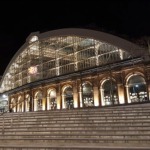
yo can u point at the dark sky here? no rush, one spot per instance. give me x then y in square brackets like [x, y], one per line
[18, 19]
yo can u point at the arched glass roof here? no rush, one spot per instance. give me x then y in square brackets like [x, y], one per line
[63, 51]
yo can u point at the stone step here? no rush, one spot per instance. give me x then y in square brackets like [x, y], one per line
[46, 140]
[76, 125]
[89, 118]
[57, 146]
[101, 116]
[105, 116]
[79, 124]
[69, 112]
[75, 131]
[81, 127]
[79, 121]
[85, 110]
[116, 109]
[111, 125]
[51, 113]
[87, 127]
[105, 135]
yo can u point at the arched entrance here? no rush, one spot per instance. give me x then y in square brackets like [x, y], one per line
[68, 97]
[109, 92]
[51, 99]
[87, 94]
[137, 90]
[38, 101]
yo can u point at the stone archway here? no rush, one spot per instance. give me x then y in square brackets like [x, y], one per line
[87, 94]
[38, 101]
[51, 99]
[109, 93]
[136, 89]
[67, 97]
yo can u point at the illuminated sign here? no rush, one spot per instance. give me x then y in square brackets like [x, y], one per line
[32, 70]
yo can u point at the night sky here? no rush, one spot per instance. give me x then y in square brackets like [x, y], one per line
[128, 18]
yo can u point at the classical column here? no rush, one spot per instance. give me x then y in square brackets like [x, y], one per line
[63, 101]
[31, 108]
[80, 97]
[75, 95]
[23, 97]
[58, 93]
[96, 95]
[58, 101]
[121, 93]
[26, 102]
[15, 108]
[44, 101]
[48, 103]
[102, 96]
[148, 88]
[128, 94]
[16, 97]
[125, 95]
[35, 104]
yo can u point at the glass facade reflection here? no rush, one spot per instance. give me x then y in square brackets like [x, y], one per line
[57, 56]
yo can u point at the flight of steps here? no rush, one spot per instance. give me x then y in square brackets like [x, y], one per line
[117, 128]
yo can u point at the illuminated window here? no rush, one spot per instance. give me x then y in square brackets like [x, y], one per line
[137, 89]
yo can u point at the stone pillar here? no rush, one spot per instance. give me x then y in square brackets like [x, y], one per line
[121, 93]
[24, 104]
[148, 90]
[63, 101]
[35, 101]
[15, 106]
[12, 105]
[58, 101]
[102, 96]
[75, 99]
[31, 108]
[44, 103]
[9, 103]
[75, 95]
[96, 96]
[125, 95]
[48, 103]
[58, 93]
[16, 98]
[44, 100]
[128, 94]
[80, 97]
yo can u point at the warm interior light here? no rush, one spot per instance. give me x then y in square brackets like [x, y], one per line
[32, 70]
